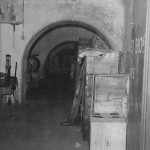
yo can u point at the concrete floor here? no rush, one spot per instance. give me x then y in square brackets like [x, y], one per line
[35, 125]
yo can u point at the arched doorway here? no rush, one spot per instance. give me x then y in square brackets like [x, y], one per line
[62, 26]
[66, 53]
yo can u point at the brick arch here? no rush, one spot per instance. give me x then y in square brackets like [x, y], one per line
[60, 24]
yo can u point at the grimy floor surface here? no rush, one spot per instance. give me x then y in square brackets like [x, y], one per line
[35, 125]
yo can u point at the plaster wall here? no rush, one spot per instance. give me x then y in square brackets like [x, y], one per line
[107, 16]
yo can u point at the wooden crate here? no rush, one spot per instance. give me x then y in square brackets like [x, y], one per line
[112, 86]
[109, 94]
[107, 134]
[109, 107]
[105, 64]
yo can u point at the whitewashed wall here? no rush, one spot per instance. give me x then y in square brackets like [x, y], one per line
[107, 16]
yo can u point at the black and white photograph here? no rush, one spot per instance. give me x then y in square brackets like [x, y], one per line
[74, 74]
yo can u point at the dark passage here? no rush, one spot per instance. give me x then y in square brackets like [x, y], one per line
[35, 125]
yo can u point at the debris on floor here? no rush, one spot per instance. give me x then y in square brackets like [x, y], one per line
[77, 145]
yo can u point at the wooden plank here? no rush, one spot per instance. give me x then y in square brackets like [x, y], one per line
[112, 82]
[106, 64]
[107, 107]
[78, 95]
[87, 106]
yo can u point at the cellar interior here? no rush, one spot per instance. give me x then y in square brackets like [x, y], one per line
[74, 74]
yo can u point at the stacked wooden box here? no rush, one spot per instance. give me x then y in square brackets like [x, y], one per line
[110, 94]
[105, 100]
[106, 63]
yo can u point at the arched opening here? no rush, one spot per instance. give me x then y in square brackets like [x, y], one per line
[52, 37]
[62, 24]
[52, 85]
[66, 53]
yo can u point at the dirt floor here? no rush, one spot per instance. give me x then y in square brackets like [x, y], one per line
[35, 125]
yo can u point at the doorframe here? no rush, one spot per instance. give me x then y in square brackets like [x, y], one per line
[145, 126]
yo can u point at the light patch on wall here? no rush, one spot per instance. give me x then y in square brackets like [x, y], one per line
[37, 3]
[110, 13]
[61, 2]
[104, 15]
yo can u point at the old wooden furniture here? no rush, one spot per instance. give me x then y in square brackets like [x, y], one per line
[8, 93]
[8, 84]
